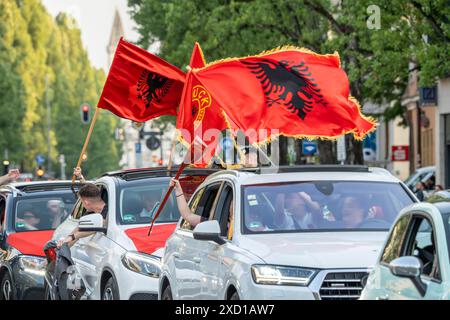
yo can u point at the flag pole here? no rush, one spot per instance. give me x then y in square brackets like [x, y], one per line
[183, 166]
[86, 142]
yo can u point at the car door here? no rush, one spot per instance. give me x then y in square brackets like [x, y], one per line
[187, 255]
[420, 242]
[212, 255]
[382, 276]
[92, 251]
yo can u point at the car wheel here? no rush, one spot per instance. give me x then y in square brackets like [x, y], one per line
[167, 294]
[7, 290]
[234, 296]
[110, 292]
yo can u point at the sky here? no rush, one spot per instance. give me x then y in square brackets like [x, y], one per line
[95, 19]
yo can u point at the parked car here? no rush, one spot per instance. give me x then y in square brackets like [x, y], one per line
[414, 262]
[121, 261]
[29, 212]
[345, 212]
[420, 175]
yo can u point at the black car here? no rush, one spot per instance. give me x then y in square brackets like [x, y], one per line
[29, 213]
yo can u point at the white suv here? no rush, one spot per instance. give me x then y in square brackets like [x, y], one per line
[123, 262]
[309, 232]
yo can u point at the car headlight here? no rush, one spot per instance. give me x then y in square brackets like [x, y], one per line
[33, 265]
[282, 275]
[148, 265]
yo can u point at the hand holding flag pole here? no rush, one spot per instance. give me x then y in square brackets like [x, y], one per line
[187, 159]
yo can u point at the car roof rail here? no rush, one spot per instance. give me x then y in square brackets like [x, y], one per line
[48, 186]
[155, 172]
[323, 168]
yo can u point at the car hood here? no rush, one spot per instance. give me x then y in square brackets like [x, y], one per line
[150, 244]
[30, 242]
[318, 249]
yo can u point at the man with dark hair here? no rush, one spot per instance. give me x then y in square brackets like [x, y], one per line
[91, 198]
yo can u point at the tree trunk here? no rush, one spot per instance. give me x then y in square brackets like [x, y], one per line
[354, 150]
[283, 150]
[327, 154]
[298, 151]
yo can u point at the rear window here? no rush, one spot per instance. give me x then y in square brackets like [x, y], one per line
[139, 200]
[323, 205]
[44, 212]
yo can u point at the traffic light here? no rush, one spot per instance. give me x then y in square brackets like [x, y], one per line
[40, 172]
[5, 166]
[85, 110]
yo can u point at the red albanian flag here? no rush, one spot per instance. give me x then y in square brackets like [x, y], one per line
[295, 91]
[140, 86]
[199, 117]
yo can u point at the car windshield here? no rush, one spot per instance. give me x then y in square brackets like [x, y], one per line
[322, 205]
[139, 200]
[42, 213]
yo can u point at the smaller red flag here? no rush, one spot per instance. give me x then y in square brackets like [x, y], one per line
[200, 120]
[141, 86]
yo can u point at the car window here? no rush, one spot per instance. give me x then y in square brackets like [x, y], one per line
[2, 213]
[42, 213]
[421, 244]
[322, 205]
[223, 212]
[394, 245]
[203, 204]
[446, 219]
[139, 202]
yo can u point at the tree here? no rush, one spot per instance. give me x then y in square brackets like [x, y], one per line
[376, 60]
[43, 60]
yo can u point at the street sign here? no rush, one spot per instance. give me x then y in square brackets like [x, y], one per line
[309, 147]
[138, 147]
[153, 142]
[40, 159]
[340, 146]
[400, 153]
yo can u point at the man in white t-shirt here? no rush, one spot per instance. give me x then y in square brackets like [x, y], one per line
[295, 211]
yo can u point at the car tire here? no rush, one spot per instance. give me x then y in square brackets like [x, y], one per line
[7, 290]
[235, 296]
[167, 294]
[110, 291]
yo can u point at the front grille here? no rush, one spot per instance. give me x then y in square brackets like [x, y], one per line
[342, 286]
[144, 296]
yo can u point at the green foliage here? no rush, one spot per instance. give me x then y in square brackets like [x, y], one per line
[42, 59]
[376, 60]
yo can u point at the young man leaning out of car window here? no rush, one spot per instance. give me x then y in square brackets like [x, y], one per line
[90, 196]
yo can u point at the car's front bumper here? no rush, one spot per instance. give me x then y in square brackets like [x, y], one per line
[329, 284]
[29, 286]
[135, 286]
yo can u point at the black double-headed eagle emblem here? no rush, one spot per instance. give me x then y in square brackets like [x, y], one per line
[152, 87]
[289, 85]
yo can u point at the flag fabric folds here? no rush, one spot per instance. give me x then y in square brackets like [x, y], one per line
[141, 86]
[199, 118]
[295, 91]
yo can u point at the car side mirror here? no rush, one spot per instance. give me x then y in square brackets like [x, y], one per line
[409, 267]
[209, 231]
[91, 223]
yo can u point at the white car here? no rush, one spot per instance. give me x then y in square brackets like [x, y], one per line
[121, 261]
[309, 232]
